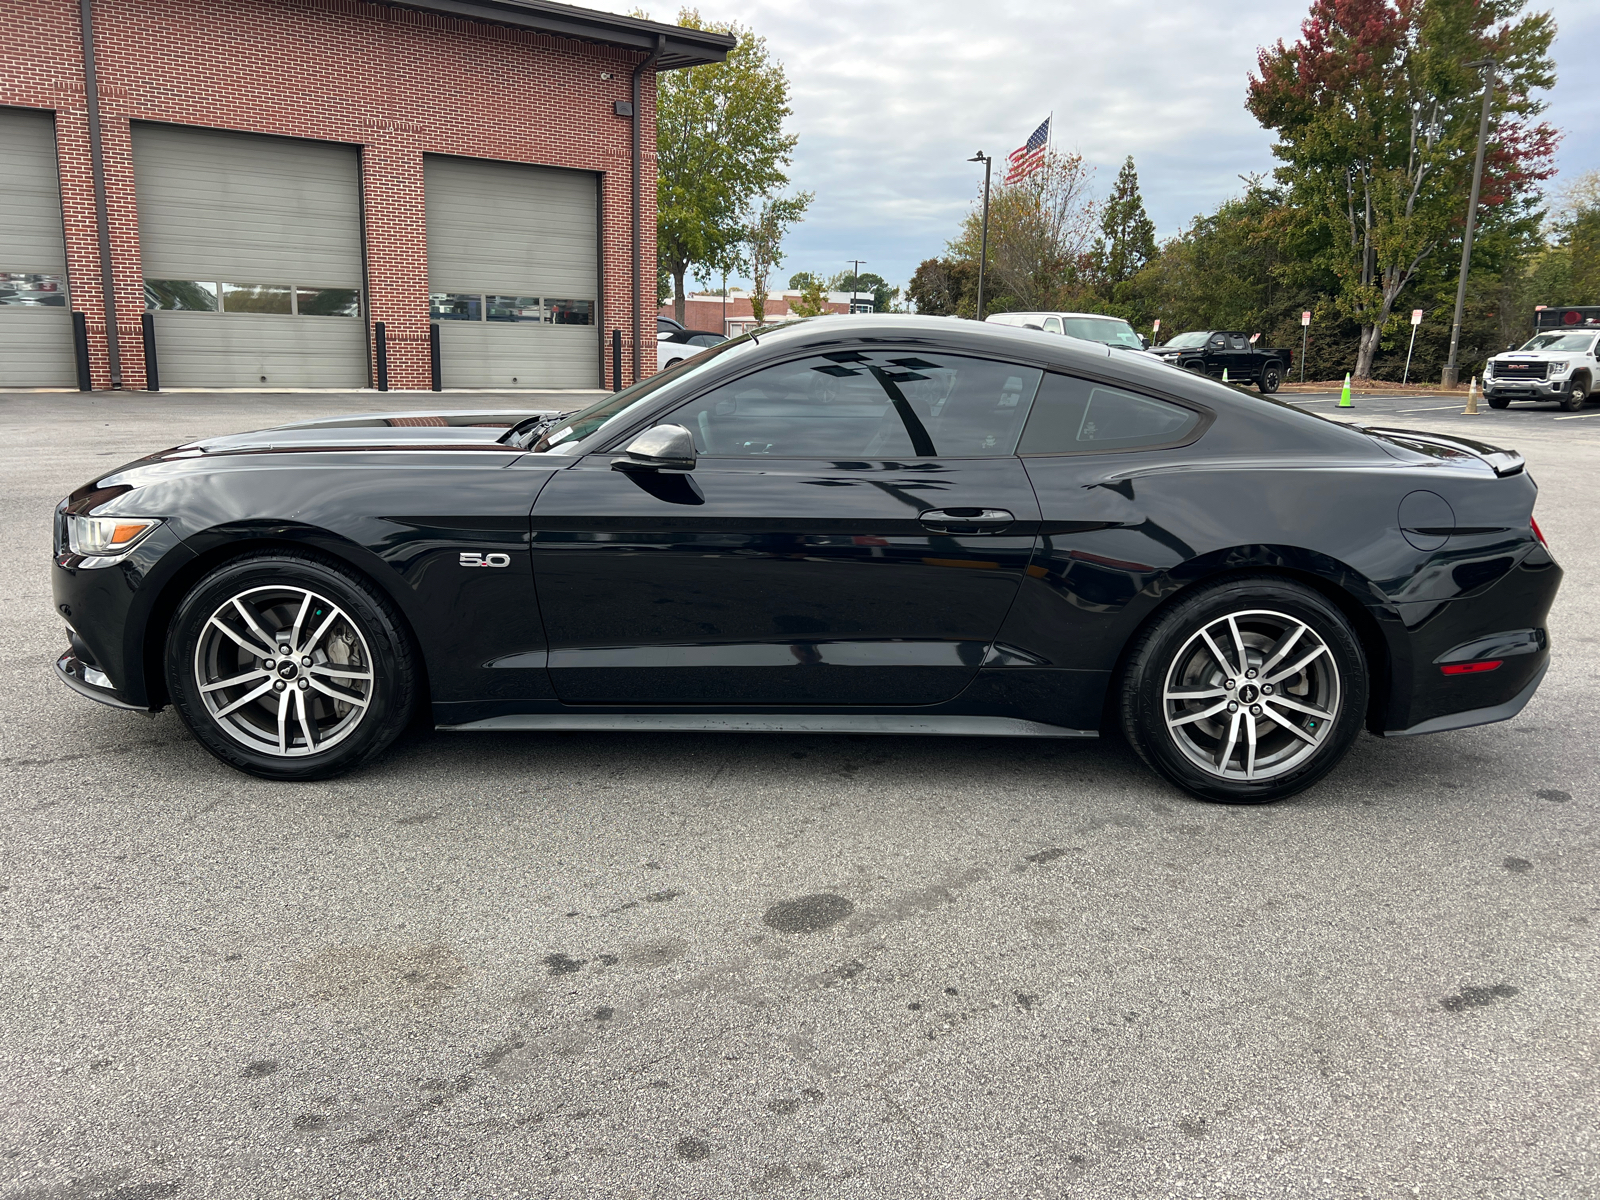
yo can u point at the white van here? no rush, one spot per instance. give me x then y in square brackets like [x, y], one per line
[1091, 327]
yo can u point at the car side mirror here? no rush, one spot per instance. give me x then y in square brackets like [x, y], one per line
[661, 448]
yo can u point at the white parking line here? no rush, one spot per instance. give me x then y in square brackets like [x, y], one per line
[1578, 416]
[1435, 408]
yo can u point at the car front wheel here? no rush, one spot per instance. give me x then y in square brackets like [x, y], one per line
[1245, 691]
[1576, 395]
[1499, 401]
[288, 666]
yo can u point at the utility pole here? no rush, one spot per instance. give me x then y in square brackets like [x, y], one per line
[983, 254]
[855, 279]
[1452, 373]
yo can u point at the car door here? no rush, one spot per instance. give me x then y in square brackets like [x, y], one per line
[1084, 448]
[1240, 358]
[854, 531]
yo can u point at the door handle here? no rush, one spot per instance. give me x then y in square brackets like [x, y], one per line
[966, 520]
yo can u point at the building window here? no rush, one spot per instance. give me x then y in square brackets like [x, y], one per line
[33, 291]
[514, 308]
[327, 302]
[180, 295]
[455, 306]
[256, 298]
[568, 312]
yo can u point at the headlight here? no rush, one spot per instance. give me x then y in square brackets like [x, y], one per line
[107, 535]
[1560, 368]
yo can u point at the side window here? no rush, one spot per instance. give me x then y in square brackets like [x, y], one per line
[1237, 341]
[866, 404]
[1217, 342]
[1076, 416]
[1052, 324]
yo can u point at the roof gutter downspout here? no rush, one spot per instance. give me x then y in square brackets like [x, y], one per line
[97, 166]
[638, 71]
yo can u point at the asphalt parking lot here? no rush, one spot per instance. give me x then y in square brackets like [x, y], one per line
[574, 965]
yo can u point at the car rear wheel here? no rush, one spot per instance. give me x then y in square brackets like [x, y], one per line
[1576, 395]
[1246, 691]
[287, 666]
[1271, 379]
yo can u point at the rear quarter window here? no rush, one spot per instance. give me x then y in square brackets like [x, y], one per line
[1080, 416]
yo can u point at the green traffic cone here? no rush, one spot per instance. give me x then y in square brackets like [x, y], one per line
[1224, 374]
[1344, 395]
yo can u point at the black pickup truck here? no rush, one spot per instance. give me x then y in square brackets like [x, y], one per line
[1211, 351]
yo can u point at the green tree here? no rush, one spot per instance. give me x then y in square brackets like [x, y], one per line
[1128, 235]
[721, 148]
[763, 242]
[1041, 234]
[813, 301]
[868, 283]
[1376, 114]
[941, 286]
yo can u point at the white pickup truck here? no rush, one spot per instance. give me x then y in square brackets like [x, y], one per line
[1554, 365]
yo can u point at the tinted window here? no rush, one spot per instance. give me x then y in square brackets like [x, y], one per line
[1237, 341]
[866, 404]
[184, 295]
[1075, 416]
[327, 302]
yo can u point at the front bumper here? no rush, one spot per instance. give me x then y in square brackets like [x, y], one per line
[90, 681]
[1528, 389]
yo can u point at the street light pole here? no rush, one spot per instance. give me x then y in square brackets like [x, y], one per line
[1452, 373]
[983, 254]
[855, 279]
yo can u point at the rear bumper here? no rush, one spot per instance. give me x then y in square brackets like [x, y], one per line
[1478, 716]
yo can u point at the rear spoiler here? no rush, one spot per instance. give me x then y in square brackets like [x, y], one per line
[1502, 462]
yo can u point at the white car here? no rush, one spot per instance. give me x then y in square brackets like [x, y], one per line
[1556, 365]
[682, 344]
[1090, 327]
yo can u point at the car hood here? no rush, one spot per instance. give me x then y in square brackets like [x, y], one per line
[1537, 356]
[370, 431]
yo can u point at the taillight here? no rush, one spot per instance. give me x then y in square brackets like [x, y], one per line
[1538, 534]
[1471, 668]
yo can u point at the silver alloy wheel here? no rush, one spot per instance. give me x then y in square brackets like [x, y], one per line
[1251, 695]
[284, 671]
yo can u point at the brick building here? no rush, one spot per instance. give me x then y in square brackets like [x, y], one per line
[329, 193]
[735, 315]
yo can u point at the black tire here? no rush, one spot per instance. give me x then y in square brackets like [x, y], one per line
[1271, 379]
[353, 665]
[1197, 366]
[1576, 395]
[1499, 401]
[1172, 650]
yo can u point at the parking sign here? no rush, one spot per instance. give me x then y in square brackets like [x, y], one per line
[1305, 318]
[1416, 316]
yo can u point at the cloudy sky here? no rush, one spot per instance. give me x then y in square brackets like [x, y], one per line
[891, 96]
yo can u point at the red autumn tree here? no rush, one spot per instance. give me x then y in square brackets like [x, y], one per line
[1376, 113]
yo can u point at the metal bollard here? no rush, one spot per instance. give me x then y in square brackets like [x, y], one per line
[80, 345]
[616, 360]
[380, 346]
[152, 368]
[433, 353]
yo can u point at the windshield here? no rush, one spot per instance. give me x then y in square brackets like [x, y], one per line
[568, 433]
[1108, 331]
[1189, 341]
[1559, 341]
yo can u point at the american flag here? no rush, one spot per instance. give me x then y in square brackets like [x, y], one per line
[1028, 157]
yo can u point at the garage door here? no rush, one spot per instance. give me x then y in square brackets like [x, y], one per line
[252, 258]
[35, 321]
[511, 274]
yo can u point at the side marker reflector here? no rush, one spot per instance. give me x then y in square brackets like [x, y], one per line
[1470, 668]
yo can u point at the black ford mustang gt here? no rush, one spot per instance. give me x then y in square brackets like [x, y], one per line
[866, 524]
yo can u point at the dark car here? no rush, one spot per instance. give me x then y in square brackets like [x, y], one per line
[869, 524]
[1230, 355]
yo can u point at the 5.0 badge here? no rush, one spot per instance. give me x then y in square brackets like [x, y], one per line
[471, 559]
